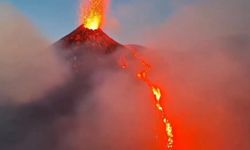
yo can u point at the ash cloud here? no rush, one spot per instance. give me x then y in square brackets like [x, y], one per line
[28, 66]
[201, 57]
[201, 53]
[204, 50]
[44, 105]
[29, 73]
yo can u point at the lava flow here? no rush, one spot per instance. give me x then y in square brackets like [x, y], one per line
[92, 13]
[156, 91]
[92, 17]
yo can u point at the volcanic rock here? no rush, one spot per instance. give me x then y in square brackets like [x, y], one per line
[75, 46]
[83, 38]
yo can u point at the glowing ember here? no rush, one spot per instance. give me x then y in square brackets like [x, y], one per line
[156, 91]
[92, 13]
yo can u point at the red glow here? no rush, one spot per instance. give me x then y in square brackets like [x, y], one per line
[157, 92]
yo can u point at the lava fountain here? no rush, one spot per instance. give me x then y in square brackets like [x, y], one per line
[93, 13]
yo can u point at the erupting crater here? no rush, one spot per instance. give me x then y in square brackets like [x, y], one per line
[88, 39]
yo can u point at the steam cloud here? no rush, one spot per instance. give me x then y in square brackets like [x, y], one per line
[43, 106]
[28, 67]
[205, 59]
[203, 50]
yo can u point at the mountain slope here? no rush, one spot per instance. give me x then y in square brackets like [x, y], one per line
[83, 38]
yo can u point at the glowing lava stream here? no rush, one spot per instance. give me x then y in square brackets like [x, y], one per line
[92, 13]
[92, 17]
[156, 91]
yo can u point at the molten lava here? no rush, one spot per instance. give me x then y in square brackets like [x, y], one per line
[156, 91]
[92, 18]
[92, 13]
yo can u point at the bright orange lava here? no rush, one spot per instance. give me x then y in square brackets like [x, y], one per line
[92, 13]
[156, 91]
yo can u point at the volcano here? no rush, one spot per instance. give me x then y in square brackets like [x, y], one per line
[75, 46]
[89, 40]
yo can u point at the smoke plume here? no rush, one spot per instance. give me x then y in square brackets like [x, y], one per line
[28, 66]
[199, 54]
[43, 106]
[204, 50]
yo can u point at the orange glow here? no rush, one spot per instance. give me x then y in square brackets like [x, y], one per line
[156, 92]
[123, 63]
[93, 13]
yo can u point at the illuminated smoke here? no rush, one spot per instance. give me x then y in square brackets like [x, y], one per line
[155, 89]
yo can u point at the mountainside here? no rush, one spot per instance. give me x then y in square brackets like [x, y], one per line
[81, 47]
[83, 38]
